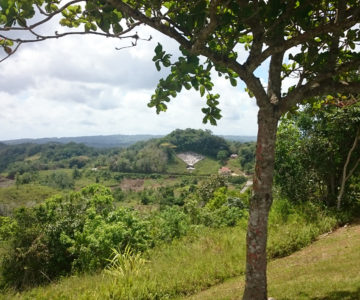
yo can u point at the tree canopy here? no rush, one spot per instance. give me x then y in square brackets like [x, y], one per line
[315, 43]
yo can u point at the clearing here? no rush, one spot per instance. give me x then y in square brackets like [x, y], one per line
[190, 158]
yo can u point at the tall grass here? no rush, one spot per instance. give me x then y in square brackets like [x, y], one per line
[23, 195]
[294, 227]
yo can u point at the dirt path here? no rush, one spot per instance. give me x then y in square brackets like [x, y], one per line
[247, 185]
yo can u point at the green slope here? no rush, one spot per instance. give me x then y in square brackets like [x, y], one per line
[328, 269]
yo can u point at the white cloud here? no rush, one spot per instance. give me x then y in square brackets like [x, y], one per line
[83, 86]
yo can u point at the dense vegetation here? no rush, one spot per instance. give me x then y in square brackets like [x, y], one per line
[153, 156]
[65, 224]
[199, 141]
[77, 231]
[31, 157]
[315, 149]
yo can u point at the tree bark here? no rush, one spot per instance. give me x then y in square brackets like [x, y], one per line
[256, 239]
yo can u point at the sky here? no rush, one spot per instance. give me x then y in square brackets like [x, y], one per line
[82, 86]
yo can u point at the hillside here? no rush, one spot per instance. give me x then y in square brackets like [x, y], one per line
[324, 270]
[98, 141]
[110, 141]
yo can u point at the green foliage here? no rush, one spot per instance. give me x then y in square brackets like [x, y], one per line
[222, 155]
[30, 157]
[7, 228]
[69, 233]
[125, 265]
[169, 224]
[169, 273]
[207, 189]
[198, 141]
[312, 148]
[92, 246]
[224, 208]
[293, 227]
[144, 158]
[293, 177]
[26, 177]
[237, 179]
[59, 179]
[28, 195]
[218, 199]
[247, 156]
[118, 194]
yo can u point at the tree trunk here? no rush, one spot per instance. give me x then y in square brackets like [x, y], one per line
[256, 239]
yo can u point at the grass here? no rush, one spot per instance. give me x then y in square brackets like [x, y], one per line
[24, 195]
[234, 165]
[327, 269]
[177, 167]
[206, 166]
[33, 157]
[204, 258]
[186, 266]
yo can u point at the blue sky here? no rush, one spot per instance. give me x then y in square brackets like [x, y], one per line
[83, 86]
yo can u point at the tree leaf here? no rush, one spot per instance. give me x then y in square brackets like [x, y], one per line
[202, 90]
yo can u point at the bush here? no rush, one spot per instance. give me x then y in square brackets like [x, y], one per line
[68, 233]
[294, 226]
[170, 223]
[59, 180]
[237, 179]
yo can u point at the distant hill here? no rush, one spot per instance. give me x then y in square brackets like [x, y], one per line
[99, 141]
[239, 138]
[111, 141]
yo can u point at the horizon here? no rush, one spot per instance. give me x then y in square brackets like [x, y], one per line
[109, 135]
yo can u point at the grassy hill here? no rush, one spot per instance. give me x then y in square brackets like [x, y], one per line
[326, 270]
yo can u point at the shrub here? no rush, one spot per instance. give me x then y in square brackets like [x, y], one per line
[170, 223]
[68, 233]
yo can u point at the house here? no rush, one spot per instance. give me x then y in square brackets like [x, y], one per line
[225, 171]
[234, 155]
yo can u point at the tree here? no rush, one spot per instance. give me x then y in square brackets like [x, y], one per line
[317, 151]
[313, 41]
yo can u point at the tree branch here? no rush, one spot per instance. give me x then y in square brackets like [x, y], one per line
[304, 37]
[200, 39]
[50, 16]
[322, 83]
[344, 176]
[11, 53]
[313, 89]
[152, 22]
